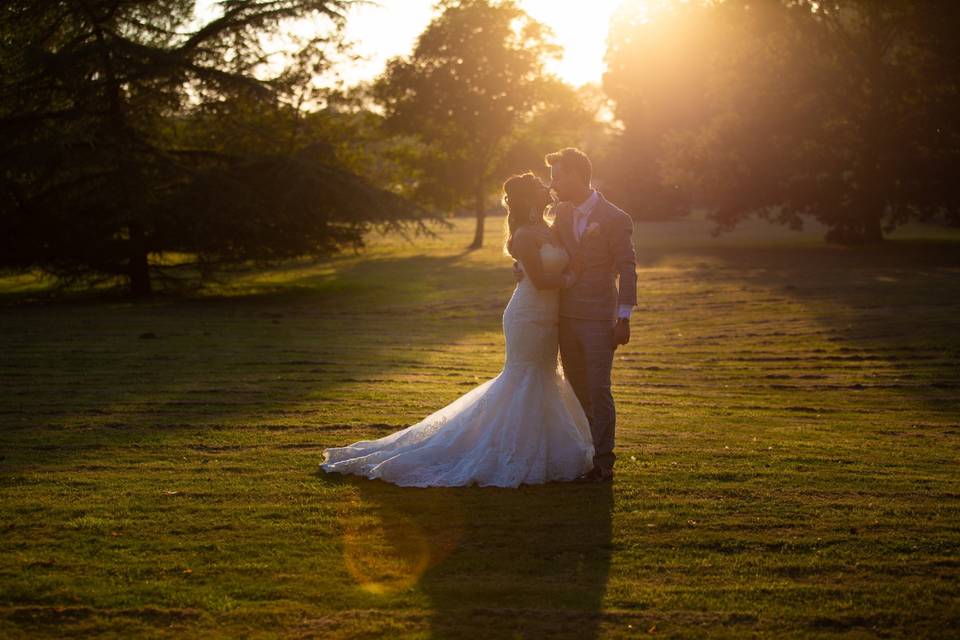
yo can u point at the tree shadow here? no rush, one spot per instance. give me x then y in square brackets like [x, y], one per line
[95, 373]
[728, 254]
[527, 562]
[886, 314]
[284, 281]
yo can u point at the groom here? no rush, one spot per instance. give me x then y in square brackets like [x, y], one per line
[594, 311]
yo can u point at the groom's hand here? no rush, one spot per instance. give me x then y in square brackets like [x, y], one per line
[621, 332]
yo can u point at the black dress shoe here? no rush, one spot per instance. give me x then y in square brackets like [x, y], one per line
[596, 475]
[590, 476]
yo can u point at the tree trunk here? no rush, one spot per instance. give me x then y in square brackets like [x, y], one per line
[875, 131]
[480, 207]
[872, 230]
[138, 270]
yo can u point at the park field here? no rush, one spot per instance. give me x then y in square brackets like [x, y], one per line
[788, 440]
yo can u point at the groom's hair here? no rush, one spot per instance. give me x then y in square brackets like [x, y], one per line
[572, 160]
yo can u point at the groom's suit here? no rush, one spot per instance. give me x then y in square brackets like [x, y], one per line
[589, 309]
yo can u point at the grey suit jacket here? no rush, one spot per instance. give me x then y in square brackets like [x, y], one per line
[607, 254]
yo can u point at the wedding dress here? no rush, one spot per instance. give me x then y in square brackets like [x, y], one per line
[525, 426]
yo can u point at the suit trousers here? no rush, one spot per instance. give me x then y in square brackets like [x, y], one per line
[586, 349]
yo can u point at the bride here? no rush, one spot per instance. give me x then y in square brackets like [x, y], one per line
[525, 426]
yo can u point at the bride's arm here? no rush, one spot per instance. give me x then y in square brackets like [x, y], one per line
[526, 248]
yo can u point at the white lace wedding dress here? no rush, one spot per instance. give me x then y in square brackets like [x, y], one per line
[525, 426]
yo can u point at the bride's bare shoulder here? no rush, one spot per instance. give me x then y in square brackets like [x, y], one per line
[533, 234]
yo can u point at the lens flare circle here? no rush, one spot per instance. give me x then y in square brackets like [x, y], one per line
[393, 535]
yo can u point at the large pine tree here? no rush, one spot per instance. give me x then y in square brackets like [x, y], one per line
[134, 128]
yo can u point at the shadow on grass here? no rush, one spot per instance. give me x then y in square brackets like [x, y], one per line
[894, 305]
[527, 562]
[88, 374]
[893, 254]
[336, 276]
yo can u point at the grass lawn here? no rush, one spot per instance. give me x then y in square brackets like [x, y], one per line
[788, 433]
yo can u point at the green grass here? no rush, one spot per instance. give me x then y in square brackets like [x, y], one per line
[789, 439]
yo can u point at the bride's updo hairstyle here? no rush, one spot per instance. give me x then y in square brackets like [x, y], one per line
[521, 194]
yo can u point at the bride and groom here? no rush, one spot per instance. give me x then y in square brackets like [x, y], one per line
[535, 422]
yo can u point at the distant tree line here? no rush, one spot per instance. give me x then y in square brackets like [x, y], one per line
[138, 141]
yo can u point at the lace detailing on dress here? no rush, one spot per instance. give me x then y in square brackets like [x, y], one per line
[525, 426]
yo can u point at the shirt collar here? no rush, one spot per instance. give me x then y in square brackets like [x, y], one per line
[586, 207]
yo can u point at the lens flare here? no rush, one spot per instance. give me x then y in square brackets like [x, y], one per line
[392, 536]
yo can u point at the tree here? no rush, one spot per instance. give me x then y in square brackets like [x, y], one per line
[902, 115]
[475, 93]
[845, 111]
[128, 129]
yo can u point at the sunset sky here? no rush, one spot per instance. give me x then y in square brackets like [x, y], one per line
[389, 28]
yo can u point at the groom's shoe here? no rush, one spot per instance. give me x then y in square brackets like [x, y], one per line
[589, 476]
[595, 475]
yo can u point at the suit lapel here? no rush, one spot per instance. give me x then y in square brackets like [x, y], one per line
[565, 221]
[596, 217]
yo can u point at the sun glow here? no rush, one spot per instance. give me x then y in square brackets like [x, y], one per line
[581, 29]
[387, 28]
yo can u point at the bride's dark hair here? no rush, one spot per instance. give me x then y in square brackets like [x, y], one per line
[520, 196]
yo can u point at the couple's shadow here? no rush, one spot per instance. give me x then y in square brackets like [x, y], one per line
[526, 562]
